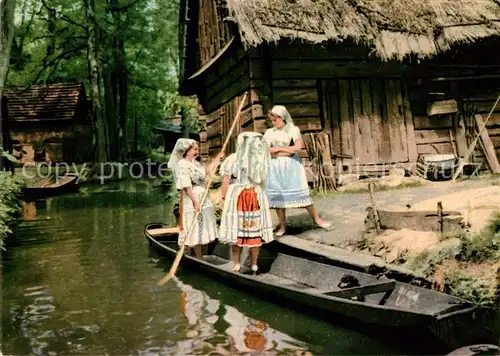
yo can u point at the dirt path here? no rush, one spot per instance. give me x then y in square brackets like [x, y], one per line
[347, 211]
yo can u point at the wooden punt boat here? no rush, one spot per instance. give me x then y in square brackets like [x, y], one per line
[381, 302]
[339, 257]
[481, 349]
[50, 187]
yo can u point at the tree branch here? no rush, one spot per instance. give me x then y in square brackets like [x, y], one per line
[63, 16]
[55, 60]
[140, 83]
[126, 7]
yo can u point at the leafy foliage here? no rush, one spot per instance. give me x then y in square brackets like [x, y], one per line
[10, 205]
[479, 250]
[50, 45]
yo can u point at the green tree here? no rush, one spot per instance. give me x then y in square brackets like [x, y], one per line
[126, 53]
[7, 8]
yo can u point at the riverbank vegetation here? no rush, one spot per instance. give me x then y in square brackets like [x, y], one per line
[466, 265]
[10, 205]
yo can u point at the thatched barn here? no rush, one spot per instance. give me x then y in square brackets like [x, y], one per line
[386, 80]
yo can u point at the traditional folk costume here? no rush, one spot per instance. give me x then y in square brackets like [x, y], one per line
[191, 174]
[246, 219]
[286, 185]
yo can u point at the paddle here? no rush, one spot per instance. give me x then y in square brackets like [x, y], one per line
[178, 257]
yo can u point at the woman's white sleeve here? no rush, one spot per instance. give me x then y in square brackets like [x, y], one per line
[182, 178]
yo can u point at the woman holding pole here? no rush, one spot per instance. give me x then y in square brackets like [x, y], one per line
[189, 179]
[178, 257]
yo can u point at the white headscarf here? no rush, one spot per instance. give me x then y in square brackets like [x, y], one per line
[181, 147]
[252, 158]
[281, 111]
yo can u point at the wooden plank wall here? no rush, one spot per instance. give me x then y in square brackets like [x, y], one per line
[433, 135]
[213, 33]
[219, 123]
[227, 78]
[481, 95]
[359, 111]
[442, 134]
[370, 120]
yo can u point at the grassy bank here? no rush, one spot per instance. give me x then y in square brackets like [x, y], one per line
[10, 205]
[469, 267]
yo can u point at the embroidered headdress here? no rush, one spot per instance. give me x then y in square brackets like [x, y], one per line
[180, 148]
[252, 157]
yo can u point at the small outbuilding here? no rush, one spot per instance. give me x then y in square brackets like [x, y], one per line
[51, 123]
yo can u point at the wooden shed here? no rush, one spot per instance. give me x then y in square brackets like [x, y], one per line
[50, 123]
[386, 80]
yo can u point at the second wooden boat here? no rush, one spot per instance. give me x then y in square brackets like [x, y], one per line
[333, 290]
[50, 187]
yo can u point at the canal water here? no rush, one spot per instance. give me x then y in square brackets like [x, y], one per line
[80, 278]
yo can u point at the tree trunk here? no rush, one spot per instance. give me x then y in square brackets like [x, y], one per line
[185, 124]
[94, 70]
[110, 100]
[116, 88]
[120, 72]
[123, 92]
[7, 8]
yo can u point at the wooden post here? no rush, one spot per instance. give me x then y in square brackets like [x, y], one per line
[487, 145]
[440, 216]
[464, 160]
[371, 186]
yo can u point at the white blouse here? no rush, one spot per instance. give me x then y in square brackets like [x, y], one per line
[189, 173]
[282, 137]
[228, 167]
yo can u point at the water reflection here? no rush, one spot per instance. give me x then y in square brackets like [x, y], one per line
[81, 279]
[241, 334]
[29, 210]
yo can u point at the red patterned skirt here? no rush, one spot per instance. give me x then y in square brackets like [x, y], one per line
[249, 219]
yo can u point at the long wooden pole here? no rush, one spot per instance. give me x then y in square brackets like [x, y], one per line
[178, 257]
[472, 146]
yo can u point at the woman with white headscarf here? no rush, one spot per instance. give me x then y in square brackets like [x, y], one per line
[287, 185]
[189, 177]
[246, 219]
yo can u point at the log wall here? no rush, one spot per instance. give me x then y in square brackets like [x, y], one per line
[370, 120]
[219, 123]
[374, 113]
[226, 78]
[453, 133]
[213, 33]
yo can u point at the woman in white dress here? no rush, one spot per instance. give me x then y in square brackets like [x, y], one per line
[190, 180]
[246, 219]
[287, 185]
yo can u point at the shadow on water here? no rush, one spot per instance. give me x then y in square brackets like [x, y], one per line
[79, 278]
[325, 335]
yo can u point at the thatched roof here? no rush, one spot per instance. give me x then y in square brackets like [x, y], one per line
[394, 28]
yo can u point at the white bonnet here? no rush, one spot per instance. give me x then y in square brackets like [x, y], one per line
[281, 111]
[180, 148]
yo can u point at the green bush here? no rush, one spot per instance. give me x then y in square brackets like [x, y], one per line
[472, 250]
[10, 204]
[482, 246]
[159, 157]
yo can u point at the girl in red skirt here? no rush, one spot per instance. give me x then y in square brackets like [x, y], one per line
[246, 219]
